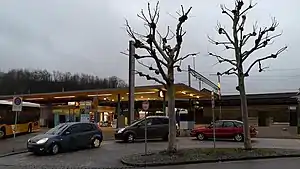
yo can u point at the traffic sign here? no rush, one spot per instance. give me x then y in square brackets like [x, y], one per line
[145, 105]
[17, 104]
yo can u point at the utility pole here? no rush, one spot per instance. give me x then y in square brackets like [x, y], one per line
[131, 80]
[219, 93]
[189, 76]
[194, 67]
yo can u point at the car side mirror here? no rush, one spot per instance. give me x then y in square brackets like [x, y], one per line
[67, 133]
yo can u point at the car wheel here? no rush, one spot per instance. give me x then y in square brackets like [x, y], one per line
[54, 149]
[2, 133]
[130, 138]
[96, 143]
[239, 137]
[200, 136]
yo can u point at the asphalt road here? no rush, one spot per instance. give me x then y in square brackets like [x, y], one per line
[109, 154]
[10, 144]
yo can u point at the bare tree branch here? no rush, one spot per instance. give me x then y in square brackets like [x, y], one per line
[148, 77]
[180, 33]
[226, 11]
[248, 8]
[263, 39]
[222, 59]
[272, 56]
[187, 56]
[229, 72]
[137, 57]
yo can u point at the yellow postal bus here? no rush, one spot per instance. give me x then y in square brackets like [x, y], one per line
[27, 120]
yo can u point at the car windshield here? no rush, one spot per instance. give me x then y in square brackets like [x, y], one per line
[58, 129]
[137, 122]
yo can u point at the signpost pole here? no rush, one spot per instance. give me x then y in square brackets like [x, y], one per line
[146, 146]
[213, 116]
[16, 107]
[15, 129]
[145, 107]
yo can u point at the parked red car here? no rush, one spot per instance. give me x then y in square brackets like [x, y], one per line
[226, 129]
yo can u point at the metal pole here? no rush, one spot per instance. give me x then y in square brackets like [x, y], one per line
[146, 147]
[298, 116]
[200, 85]
[189, 75]
[213, 116]
[194, 63]
[220, 100]
[131, 80]
[15, 129]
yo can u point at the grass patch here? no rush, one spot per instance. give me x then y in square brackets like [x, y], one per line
[200, 155]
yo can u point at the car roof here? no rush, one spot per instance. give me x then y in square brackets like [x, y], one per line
[163, 117]
[73, 123]
[231, 121]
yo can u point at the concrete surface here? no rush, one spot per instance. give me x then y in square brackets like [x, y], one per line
[290, 163]
[109, 154]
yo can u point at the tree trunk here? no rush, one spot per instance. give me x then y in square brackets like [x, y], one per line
[172, 118]
[244, 109]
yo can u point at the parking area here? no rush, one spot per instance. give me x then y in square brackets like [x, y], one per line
[10, 144]
[110, 152]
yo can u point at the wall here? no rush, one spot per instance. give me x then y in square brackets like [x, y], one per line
[276, 113]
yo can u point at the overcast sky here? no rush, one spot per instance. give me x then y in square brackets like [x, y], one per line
[87, 36]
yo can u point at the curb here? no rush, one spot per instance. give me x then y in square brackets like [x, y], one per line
[204, 161]
[13, 153]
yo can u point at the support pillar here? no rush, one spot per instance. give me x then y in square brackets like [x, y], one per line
[298, 116]
[131, 81]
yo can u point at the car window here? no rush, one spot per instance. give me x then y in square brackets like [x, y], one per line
[149, 122]
[218, 123]
[58, 129]
[228, 124]
[157, 121]
[86, 127]
[74, 129]
[237, 124]
[165, 120]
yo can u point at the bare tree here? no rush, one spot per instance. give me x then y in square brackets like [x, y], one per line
[236, 41]
[166, 56]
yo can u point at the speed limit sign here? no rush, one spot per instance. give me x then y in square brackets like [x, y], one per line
[17, 104]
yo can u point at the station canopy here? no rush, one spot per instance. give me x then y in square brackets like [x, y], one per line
[154, 92]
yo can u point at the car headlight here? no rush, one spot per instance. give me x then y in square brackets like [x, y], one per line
[42, 141]
[28, 140]
[121, 130]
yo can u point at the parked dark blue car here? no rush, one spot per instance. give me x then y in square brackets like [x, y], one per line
[66, 136]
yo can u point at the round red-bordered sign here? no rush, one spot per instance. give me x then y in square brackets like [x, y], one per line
[17, 101]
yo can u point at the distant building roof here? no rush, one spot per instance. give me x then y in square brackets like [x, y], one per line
[263, 96]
